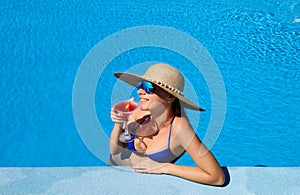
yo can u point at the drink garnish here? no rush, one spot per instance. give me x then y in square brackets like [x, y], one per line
[128, 104]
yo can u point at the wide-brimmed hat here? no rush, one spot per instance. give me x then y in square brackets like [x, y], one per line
[164, 76]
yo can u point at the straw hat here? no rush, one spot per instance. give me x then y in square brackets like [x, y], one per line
[164, 76]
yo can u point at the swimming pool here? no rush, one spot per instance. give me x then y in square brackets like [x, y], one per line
[255, 45]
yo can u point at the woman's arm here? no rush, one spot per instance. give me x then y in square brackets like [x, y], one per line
[115, 145]
[207, 171]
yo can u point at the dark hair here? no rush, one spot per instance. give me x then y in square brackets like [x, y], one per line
[177, 109]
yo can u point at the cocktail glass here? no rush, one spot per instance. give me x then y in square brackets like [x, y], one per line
[125, 109]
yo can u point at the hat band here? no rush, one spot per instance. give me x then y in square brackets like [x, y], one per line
[166, 86]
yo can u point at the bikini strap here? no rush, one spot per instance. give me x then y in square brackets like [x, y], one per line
[170, 131]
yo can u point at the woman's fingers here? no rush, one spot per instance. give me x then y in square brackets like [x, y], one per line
[145, 169]
[117, 117]
[149, 166]
[141, 168]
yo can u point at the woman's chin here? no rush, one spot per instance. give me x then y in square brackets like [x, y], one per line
[144, 107]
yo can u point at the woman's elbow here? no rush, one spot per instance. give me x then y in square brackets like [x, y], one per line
[218, 179]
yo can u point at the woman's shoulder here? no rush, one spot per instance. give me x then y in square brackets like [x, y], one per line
[182, 125]
[181, 121]
[183, 132]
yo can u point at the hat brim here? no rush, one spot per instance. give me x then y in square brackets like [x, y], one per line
[133, 80]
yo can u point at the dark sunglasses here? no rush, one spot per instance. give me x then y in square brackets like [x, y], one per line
[146, 86]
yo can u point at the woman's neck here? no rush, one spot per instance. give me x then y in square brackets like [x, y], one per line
[164, 119]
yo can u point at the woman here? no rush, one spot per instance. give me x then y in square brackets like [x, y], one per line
[162, 130]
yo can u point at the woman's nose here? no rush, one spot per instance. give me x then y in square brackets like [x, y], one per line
[141, 91]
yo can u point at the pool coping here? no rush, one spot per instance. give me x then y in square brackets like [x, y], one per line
[123, 180]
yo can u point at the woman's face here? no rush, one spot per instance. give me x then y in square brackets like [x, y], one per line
[153, 102]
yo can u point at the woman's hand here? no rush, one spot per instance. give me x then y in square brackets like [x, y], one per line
[117, 117]
[150, 166]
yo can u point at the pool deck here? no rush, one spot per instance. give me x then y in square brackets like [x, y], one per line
[122, 180]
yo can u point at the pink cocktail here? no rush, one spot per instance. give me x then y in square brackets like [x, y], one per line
[124, 109]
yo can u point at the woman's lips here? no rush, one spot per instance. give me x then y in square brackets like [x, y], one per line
[143, 100]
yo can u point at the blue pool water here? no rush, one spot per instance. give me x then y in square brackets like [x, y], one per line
[255, 45]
